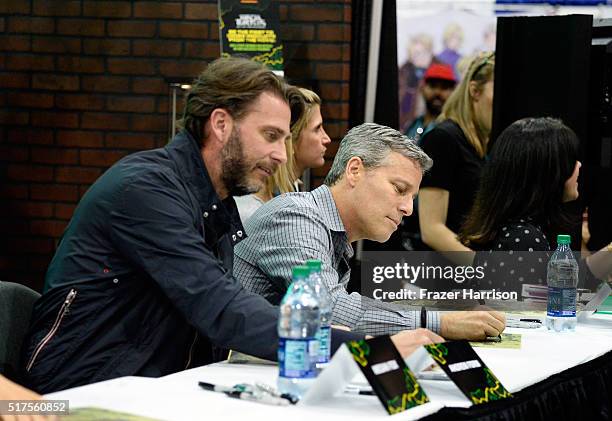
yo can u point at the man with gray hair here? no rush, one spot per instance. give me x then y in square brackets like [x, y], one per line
[370, 187]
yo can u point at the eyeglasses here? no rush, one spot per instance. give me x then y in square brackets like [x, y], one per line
[484, 58]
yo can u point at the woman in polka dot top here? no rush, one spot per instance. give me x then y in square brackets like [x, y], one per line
[533, 169]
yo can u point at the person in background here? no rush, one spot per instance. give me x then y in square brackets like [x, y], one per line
[438, 83]
[457, 145]
[369, 188]
[452, 40]
[305, 150]
[532, 171]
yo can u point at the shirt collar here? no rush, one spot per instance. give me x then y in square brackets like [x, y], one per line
[329, 212]
[184, 150]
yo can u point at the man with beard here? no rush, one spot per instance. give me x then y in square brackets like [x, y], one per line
[438, 83]
[141, 283]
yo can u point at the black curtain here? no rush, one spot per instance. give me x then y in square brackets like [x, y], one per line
[386, 109]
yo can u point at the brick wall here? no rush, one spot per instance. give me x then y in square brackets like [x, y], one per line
[83, 84]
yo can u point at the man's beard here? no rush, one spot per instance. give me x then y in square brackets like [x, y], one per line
[434, 107]
[235, 169]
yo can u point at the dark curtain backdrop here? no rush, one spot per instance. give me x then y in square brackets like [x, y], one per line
[386, 111]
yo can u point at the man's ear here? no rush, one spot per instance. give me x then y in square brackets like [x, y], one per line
[220, 125]
[354, 171]
[474, 91]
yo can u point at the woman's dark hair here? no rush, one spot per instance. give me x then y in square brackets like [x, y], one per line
[523, 178]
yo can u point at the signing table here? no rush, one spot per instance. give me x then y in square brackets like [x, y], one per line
[531, 373]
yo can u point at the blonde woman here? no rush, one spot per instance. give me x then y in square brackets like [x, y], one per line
[457, 145]
[305, 150]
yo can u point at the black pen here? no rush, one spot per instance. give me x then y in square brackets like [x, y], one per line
[215, 388]
[263, 398]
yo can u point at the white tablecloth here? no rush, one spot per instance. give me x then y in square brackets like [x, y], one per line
[178, 396]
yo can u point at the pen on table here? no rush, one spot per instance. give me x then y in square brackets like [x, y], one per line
[215, 388]
[263, 398]
[357, 391]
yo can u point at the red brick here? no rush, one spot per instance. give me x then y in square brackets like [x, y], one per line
[30, 172]
[163, 105]
[330, 91]
[331, 71]
[202, 49]
[54, 119]
[14, 80]
[335, 111]
[79, 101]
[106, 121]
[315, 14]
[47, 227]
[105, 84]
[81, 27]
[149, 123]
[107, 9]
[107, 47]
[13, 191]
[30, 100]
[54, 156]
[79, 138]
[9, 226]
[143, 85]
[124, 28]
[301, 33]
[133, 104]
[80, 64]
[213, 34]
[56, 82]
[183, 30]
[332, 149]
[14, 6]
[100, 158]
[15, 43]
[130, 141]
[57, 8]
[31, 25]
[283, 12]
[33, 245]
[156, 10]
[183, 69]
[32, 209]
[13, 153]
[131, 66]
[319, 52]
[56, 45]
[336, 130]
[156, 48]
[77, 175]
[322, 172]
[332, 32]
[199, 11]
[64, 211]
[30, 136]
[29, 62]
[14, 118]
[53, 192]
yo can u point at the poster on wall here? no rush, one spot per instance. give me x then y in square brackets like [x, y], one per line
[451, 33]
[251, 28]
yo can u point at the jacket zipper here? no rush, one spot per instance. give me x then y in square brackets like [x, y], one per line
[58, 320]
[195, 338]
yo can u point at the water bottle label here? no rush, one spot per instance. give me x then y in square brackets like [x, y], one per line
[296, 358]
[561, 302]
[324, 339]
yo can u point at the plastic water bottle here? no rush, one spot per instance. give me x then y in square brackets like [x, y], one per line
[325, 303]
[298, 350]
[562, 279]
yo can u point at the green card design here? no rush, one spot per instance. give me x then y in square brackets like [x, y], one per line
[465, 368]
[391, 379]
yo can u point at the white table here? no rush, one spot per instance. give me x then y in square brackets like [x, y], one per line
[178, 396]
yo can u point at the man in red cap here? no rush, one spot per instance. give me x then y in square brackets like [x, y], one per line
[438, 83]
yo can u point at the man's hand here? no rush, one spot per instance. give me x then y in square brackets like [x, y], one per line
[13, 392]
[409, 340]
[472, 325]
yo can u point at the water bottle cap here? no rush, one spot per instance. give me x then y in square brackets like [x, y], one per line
[564, 239]
[314, 265]
[301, 271]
